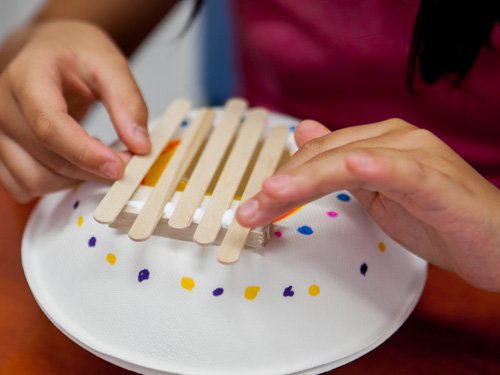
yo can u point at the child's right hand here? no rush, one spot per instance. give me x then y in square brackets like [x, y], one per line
[45, 91]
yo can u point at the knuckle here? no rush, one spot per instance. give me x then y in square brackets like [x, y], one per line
[33, 183]
[42, 127]
[423, 135]
[399, 123]
[314, 147]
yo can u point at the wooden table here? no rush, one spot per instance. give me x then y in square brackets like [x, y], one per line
[455, 328]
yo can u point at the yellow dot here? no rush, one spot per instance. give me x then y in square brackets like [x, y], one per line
[251, 292]
[381, 246]
[187, 283]
[111, 258]
[79, 221]
[314, 290]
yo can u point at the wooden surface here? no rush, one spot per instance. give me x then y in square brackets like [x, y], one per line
[454, 330]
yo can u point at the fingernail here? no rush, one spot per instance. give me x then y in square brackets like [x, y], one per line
[142, 135]
[362, 161]
[248, 210]
[111, 169]
[278, 182]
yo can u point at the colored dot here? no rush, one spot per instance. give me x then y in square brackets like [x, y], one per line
[187, 283]
[332, 214]
[75, 206]
[251, 292]
[381, 246]
[217, 292]
[305, 230]
[111, 259]
[343, 197]
[363, 269]
[92, 241]
[184, 123]
[314, 290]
[79, 222]
[288, 292]
[278, 233]
[143, 275]
[292, 127]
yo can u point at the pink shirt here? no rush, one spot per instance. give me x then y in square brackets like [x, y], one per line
[343, 62]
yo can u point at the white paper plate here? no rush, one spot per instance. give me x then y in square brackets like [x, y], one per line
[329, 287]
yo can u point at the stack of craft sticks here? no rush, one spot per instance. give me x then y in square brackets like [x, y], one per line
[236, 147]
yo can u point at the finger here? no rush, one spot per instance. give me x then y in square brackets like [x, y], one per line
[12, 187]
[419, 188]
[317, 145]
[14, 124]
[23, 177]
[112, 80]
[44, 109]
[308, 130]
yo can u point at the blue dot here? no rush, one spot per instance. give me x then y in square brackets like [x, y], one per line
[75, 206]
[288, 292]
[217, 292]
[343, 197]
[92, 241]
[184, 123]
[305, 230]
[143, 275]
[363, 269]
[292, 127]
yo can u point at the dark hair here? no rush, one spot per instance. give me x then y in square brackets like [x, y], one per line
[447, 38]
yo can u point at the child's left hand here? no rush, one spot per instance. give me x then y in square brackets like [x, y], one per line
[417, 189]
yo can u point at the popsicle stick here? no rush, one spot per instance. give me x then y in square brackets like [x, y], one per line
[208, 163]
[231, 176]
[269, 157]
[148, 218]
[111, 205]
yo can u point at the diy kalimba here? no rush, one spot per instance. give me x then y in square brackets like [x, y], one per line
[233, 155]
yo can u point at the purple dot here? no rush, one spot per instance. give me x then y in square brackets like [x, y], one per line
[363, 269]
[288, 292]
[92, 241]
[76, 204]
[143, 275]
[306, 230]
[217, 292]
[343, 197]
[332, 214]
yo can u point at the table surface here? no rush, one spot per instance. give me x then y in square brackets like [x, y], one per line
[455, 329]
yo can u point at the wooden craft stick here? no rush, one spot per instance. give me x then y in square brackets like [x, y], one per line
[148, 218]
[269, 157]
[111, 205]
[208, 163]
[231, 176]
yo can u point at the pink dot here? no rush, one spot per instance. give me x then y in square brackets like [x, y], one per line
[332, 214]
[278, 233]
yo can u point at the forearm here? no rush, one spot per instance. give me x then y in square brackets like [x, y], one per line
[128, 22]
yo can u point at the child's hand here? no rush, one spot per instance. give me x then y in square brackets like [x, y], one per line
[418, 190]
[45, 90]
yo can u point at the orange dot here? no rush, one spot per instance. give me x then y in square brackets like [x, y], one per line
[251, 292]
[187, 283]
[381, 246]
[314, 290]
[111, 258]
